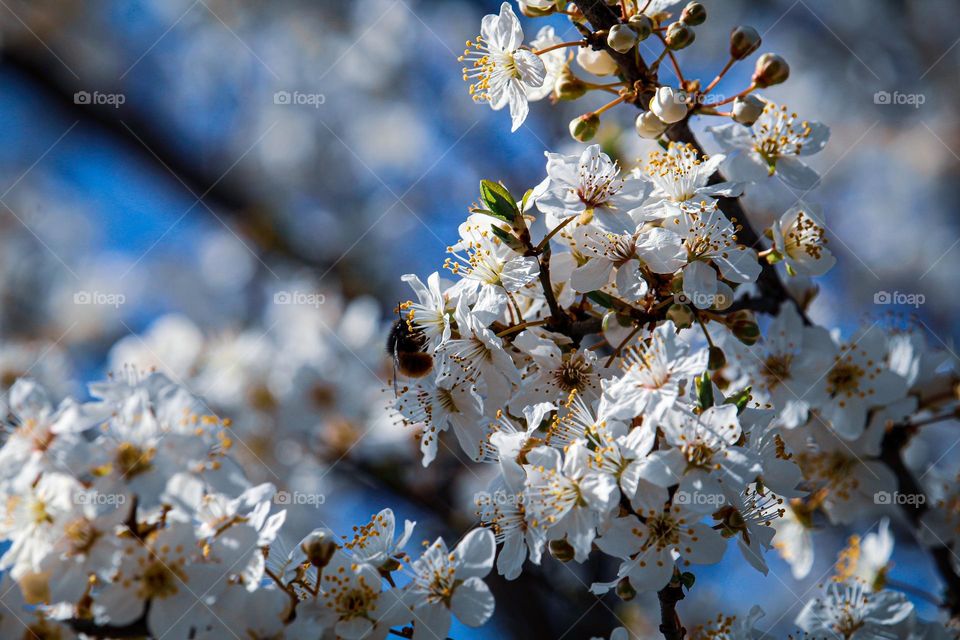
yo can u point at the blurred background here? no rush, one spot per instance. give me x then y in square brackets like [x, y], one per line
[230, 191]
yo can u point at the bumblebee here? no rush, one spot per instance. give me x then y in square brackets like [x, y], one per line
[407, 345]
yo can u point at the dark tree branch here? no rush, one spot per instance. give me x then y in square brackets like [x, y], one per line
[670, 625]
[894, 442]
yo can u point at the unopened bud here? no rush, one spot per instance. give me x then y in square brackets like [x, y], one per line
[693, 14]
[771, 69]
[679, 36]
[743, 41]
[669, 105]
[716, 359]
[574, 13]
[642, 26]
[537, 8]
[649, 126]
[562, 550]
[746, 109]
[319, 548]
[746, 331]
[681, 315]
[569, 86]
[625, 590]
[584, 127]
[621, 38]
[599, 63]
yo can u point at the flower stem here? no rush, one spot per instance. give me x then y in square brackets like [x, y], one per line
[546, 240]
[720, 75]
[560, 45]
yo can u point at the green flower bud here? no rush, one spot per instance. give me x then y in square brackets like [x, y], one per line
[625, 590]
[681, 315]
[642, 26]
[743, 42]
[584, 127]
[569, 86]
[771, 69]
[716, 359]
[562, 550]
[679, 36]
[693, 14]
[621, 38]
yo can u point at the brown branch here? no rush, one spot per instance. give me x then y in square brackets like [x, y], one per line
[670, 625]
[895, 440]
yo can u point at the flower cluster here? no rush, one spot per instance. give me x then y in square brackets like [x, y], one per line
[597, 340]
[128, 514]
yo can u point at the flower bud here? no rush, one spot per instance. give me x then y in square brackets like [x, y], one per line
[693, 14]
[746, 109]
[746, 331]
[599, 63]
[319, 548]
[574, 13]
[537, 8]
[669, 105]
[584, 127]
[562, 550]
[621, 38]
[771, 69]
[568, 85]
[625, 590]
[681, 315]
[743, 42]
[649, 126]
[642, 26]
[679, 36]
[716, 359]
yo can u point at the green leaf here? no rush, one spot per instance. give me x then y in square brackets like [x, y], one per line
[704, 390]
[687, 579]
[508, 238]
[499, 201]
[740, 398]
[523, 201]
[602, 299]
